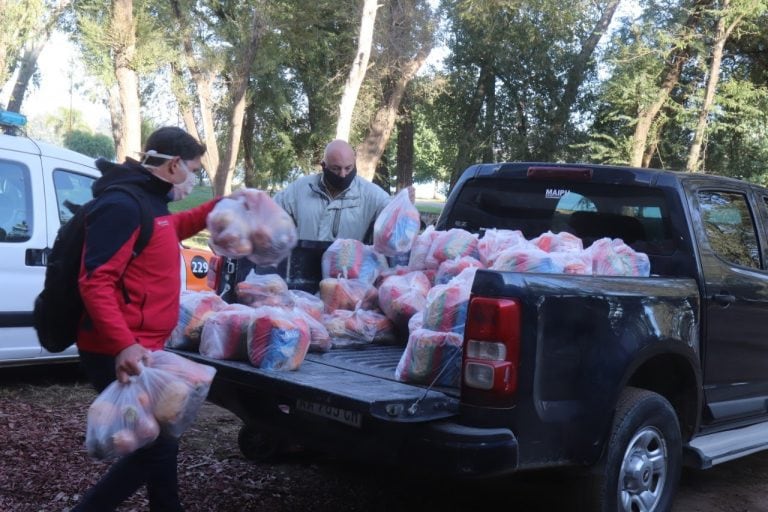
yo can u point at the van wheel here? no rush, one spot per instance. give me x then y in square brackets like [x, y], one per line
[640, 469]
[256, 445]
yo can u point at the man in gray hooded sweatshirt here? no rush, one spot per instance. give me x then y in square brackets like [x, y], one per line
[336, 203]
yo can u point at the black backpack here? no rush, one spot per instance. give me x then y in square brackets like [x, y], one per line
[58, 307]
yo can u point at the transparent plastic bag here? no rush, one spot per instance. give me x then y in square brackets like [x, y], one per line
[251, 224]
[351, 259]
[280, 340]
[397, 225]
[177, 388]
[194, 308]
[120, 421]
[226, 333]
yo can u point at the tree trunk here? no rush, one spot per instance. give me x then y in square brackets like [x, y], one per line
[357, 72]
[249, 151]
[552, 143]
[489, 124]
[116, 118]
[405, 150]
[184, 101]
[670, 78]
[237, 90]
[32, 50]
[722, 33]
[203, 86]
[467, 152]
[27, 68]
[372, 147]
[124, 29]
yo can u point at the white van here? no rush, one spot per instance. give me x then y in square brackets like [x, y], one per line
[37, 181]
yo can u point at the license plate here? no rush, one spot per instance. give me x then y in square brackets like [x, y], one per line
[332, 413]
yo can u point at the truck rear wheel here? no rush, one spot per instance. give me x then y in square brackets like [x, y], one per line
[256, 445]
[641, 466]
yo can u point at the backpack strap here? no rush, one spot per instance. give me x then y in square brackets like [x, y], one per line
[147, 221]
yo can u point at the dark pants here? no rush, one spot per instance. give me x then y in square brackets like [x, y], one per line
[153, 465]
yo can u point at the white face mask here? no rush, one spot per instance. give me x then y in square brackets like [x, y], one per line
[183, 189]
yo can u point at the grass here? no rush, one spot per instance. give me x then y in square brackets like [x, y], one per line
[198, 196]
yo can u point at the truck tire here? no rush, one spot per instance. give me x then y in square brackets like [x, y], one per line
[256, 445]
[640, 468]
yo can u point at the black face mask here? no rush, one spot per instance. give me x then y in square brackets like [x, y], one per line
[336, 182]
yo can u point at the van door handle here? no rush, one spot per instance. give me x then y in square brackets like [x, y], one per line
[36, 257]
[724, 299]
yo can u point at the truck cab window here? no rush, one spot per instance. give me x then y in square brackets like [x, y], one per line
[15, 203]
[730, 227]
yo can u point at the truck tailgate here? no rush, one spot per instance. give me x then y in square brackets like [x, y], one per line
[360, 380]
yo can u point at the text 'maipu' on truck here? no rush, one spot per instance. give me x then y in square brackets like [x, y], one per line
[624, 378]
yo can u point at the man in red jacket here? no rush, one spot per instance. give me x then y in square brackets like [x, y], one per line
[132, 301]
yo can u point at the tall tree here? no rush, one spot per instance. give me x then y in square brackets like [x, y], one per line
[576, 76]
[407, 39]
[238, 82]
[729, 17]
[358, 69]
[683, 48]
[39, 35]
[123, 27]
[17, 20]
[219, 45]
[120, 42]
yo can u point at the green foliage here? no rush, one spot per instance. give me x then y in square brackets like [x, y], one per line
[95, 145]
[494, 100]
[17, 21]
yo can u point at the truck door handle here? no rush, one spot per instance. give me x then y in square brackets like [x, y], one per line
[724, 299]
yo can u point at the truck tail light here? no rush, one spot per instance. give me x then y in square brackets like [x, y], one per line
[491, 348]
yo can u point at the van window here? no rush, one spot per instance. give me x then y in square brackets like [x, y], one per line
[72, 191]
[15, 202]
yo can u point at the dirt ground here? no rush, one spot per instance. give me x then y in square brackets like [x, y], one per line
[44, 468]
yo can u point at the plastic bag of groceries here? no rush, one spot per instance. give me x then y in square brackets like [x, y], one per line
[194, 308]
[451, 244]
[431, 357]
[612, 257]
[348, 294]
[226, 332]
[263, 290]
[351, 259]
[120, 421]
[496, 240]
[251, 224]
[401, 296]
[177, 388]
[396, 226]
[359, 327]
[165, 396]
[281, 339]
[420, 249]
[446, 307]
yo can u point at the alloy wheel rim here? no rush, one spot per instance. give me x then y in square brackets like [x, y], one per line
[643, 471]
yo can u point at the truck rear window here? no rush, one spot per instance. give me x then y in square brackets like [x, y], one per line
[637, 215]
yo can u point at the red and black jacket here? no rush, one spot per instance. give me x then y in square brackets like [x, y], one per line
[132, 299]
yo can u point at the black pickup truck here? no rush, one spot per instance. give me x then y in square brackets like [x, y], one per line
[625, 378]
